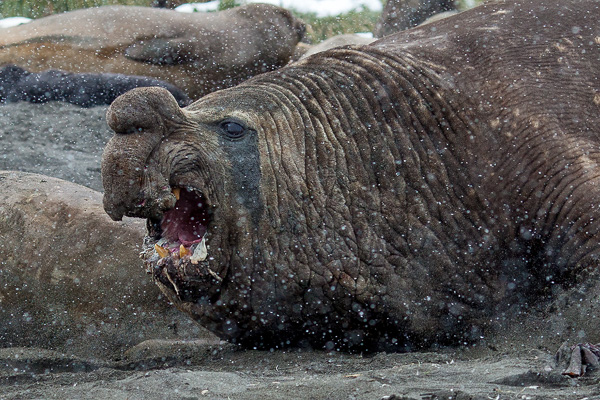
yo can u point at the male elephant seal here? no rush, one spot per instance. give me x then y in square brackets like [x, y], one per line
[409, 192]
[85, 90]
[198, 52]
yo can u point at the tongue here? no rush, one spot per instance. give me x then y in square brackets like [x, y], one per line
[184, 223]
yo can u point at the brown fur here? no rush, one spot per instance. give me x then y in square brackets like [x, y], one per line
[199, 52]
[417, 190]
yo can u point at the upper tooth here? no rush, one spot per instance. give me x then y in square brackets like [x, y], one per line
[176, 192]
[200, 253]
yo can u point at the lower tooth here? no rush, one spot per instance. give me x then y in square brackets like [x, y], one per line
[183, 251]
[162, 252]
[200, 253]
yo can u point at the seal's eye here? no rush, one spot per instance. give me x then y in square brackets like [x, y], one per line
[233, 130]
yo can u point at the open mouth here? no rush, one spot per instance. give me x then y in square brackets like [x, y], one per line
[175, 251]
[175, 247]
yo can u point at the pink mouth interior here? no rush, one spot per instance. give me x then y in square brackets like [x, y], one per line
[186, 222]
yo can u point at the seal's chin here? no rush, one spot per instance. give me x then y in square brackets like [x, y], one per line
[175, 249]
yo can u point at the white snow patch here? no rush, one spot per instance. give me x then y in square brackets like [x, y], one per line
[322, 8]
[13, 21]
[198, 7]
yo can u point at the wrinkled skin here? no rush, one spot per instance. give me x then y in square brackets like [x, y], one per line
[394, 195]
[199, 52]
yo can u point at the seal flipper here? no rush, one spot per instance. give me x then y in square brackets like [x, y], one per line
[162, 51]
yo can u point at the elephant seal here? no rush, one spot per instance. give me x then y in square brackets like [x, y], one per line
[197, 52]
[85, 89]
[398, 15]
[65, 282]
[415, 191]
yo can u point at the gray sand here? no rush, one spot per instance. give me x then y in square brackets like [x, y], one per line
[514, 362]
[56, 139]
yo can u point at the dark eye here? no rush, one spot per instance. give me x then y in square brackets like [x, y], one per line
[233, 130]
